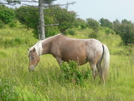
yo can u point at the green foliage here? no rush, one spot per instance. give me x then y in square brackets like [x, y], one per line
[70, 31]
[93, 34]
[81, 23]
[28, 15]
[126, 30]
[6, 14]
[7, 91]
[72, 74]
[93, 24]
[14, 1]
[49, 19]
[65, 18]
[48, 1]
[107, 31]
[105, 23]
[13, 24]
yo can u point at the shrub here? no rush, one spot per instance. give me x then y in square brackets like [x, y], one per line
[105, 23]
[13, 24]
[72, 74]
[126, 31]
[107, 31]
[93, 24]
[80, 23]
[70, 31]
[93, 35]
[7, 15]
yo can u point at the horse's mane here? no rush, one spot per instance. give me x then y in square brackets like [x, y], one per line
[38, 47]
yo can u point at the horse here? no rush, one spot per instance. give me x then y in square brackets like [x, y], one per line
[64, 48]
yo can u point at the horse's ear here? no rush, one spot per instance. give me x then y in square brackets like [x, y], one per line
[34, 50]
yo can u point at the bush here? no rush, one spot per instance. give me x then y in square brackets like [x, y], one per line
[72, 74]
[80, 23]
[125, 30]
[13, 24]
[70, 31]
[7, 15]
[93, 24]
[105, 23]
[93, 35]
[107, 31]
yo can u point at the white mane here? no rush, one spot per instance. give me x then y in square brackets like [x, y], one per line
[38, 48]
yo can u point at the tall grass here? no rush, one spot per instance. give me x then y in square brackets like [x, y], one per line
[43, 84]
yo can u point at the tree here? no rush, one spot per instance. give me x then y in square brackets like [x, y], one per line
[25, 13]
[65, 18]
[41, 15]
[93, 24]
[105, 23]
[126, 31]
[116, 25]
[48, 1]
[81, 23]
[28, 16]
[6, 14]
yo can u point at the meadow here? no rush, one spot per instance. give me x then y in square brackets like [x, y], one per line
[17, 84]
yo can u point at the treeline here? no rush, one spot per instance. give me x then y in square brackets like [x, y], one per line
[29, 16]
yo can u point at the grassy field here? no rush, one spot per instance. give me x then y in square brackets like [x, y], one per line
[17, 84]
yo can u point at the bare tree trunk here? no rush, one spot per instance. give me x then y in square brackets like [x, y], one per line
[41, 21]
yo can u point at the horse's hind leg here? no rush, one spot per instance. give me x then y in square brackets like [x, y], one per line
[94, 70]
[99, 68]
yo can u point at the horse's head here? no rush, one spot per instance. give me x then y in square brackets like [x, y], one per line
[33, 59]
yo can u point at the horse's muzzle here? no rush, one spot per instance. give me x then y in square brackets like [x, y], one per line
[31, 68]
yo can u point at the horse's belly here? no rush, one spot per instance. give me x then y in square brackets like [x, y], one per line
[78, 58]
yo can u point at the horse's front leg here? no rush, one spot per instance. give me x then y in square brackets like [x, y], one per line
[59, 60]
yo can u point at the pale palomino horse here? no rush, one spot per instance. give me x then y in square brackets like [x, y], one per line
[64, 48]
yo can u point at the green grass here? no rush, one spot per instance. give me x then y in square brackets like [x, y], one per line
[44, 85]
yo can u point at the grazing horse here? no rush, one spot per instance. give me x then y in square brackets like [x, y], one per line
[64, 48]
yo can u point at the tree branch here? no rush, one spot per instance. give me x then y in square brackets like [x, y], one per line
[52, 25]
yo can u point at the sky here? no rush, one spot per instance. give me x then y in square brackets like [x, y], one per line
[97, 9]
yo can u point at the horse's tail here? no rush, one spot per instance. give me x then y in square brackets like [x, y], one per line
[106, 62]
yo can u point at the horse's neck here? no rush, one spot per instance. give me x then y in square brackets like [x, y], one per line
[46, 45]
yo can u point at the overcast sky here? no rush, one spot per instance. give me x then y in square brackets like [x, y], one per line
[108, 9]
